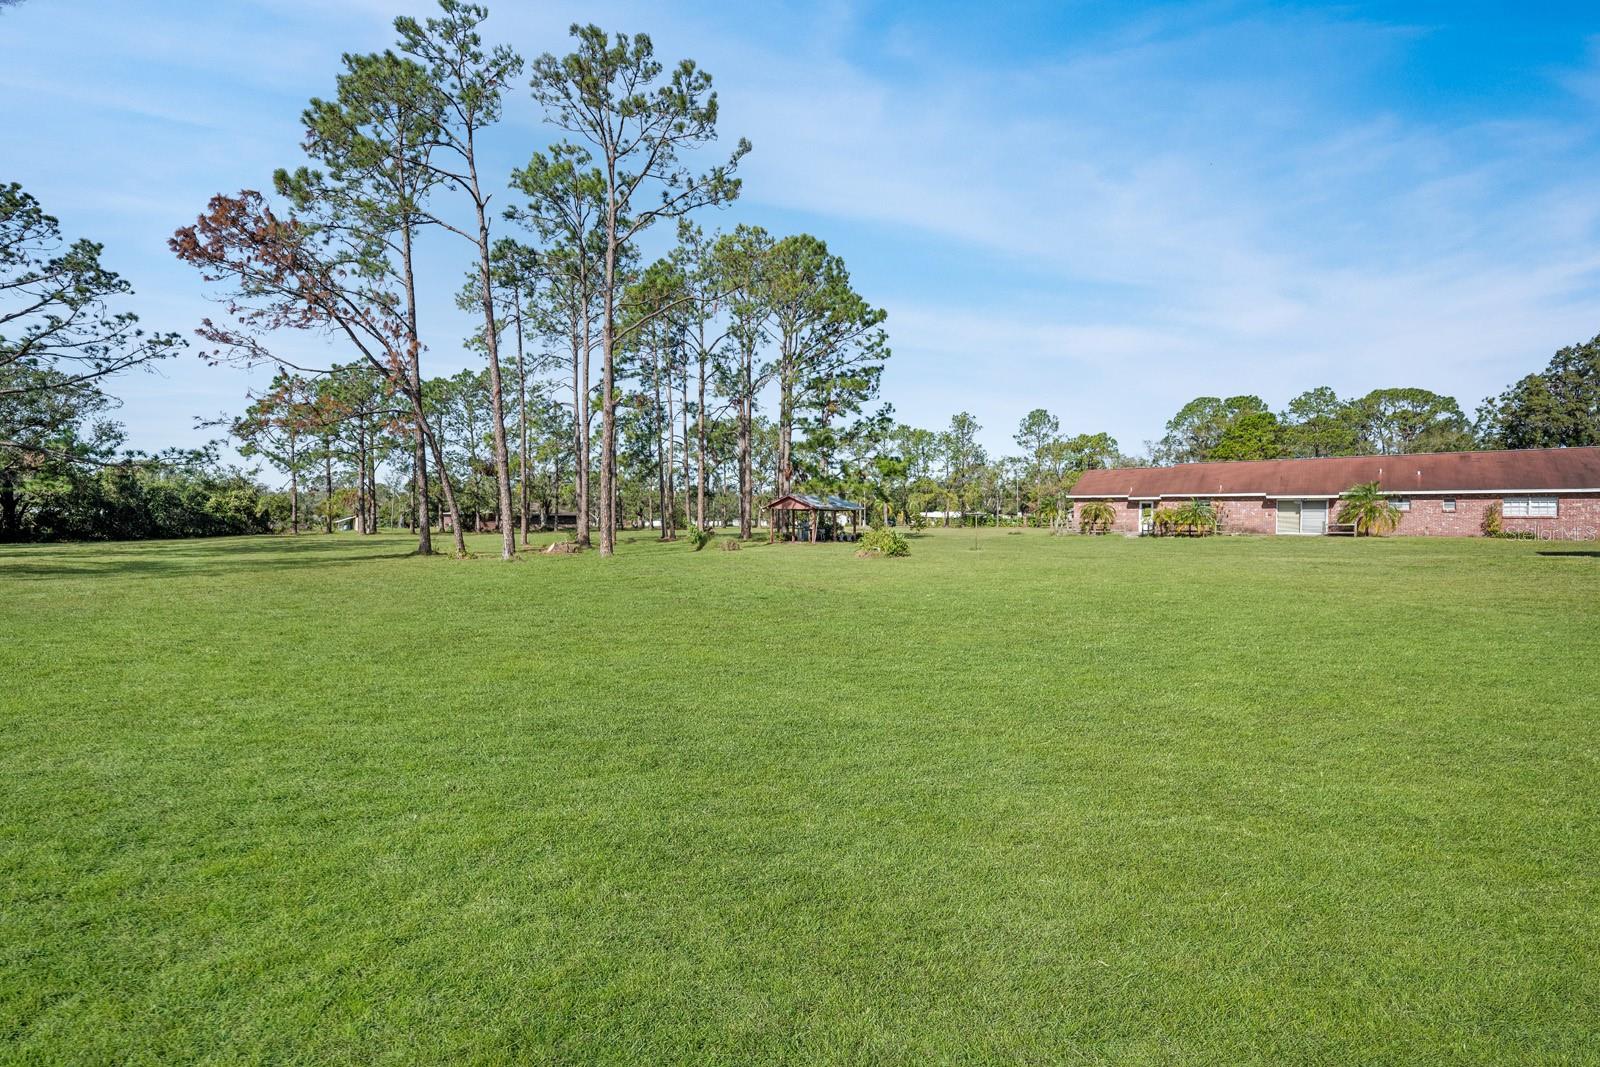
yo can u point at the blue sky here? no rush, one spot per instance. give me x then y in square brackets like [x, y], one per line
[1104, 210]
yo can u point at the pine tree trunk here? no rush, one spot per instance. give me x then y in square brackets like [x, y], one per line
[327, 472]
[294, 486]
[662, 483]
[683, 410]
[9, 522]
[608, 406]
[580, 418]
[446, 483]
[491, 342]
[746, 488]
[700, 443]
[522, 421]
[419, 450]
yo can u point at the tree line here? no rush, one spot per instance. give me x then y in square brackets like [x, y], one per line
[1554, 408]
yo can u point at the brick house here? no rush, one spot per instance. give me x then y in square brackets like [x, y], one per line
[1552, 492]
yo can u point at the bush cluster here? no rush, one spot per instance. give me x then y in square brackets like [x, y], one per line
[699, 537]
[882, 541]
[136, 503]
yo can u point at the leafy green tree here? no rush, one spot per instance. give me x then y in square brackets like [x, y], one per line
[1399, 421]
[1086, 452]
[1318, 423]
[50, 434]
[610, 93]
[1194, 433]
[963, 460]
[274, 427]
[740, 260]
[59, 332]
[1558, 407]
[708, 335]
[1252, 435]
[831, 346]
[463, 422]
[1038, 435]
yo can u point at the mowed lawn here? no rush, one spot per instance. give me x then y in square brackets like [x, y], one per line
[1047, 800]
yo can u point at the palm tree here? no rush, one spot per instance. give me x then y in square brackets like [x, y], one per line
[1369, 510]
[1096, 516]
[1195, 518]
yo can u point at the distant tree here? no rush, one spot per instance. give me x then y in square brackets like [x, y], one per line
[741, 260]
[610, 93]
[830, 342]
[1252, 435]
[709, 344]
[1198, 427]
[1560, 406]
[274, 427]
[60, 336]
[1398, 421]
[1088, 452]
[963, 458]
[565, 206]
[49, 436]
[1037, 434]
[513, 281]
[1318, 423]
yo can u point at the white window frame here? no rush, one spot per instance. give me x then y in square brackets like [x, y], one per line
[1447, 504]
[1402, 503]
[1531, 506]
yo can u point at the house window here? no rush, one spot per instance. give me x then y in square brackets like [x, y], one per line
[1402, 503]
[1529, 507]
[1448, 504]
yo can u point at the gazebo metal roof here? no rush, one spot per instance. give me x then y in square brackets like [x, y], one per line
[819, 503]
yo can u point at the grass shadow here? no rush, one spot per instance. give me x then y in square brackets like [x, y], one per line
[1594, 553]
[167, 559]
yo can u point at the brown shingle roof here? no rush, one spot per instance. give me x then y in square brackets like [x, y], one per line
[1519, 470]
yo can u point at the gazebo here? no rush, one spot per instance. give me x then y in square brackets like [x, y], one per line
[816, 506]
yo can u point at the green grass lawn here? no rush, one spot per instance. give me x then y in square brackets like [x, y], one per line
[1055, 800]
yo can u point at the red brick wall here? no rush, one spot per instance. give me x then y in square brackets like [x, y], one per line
[1247, 516]
[1578, 517]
